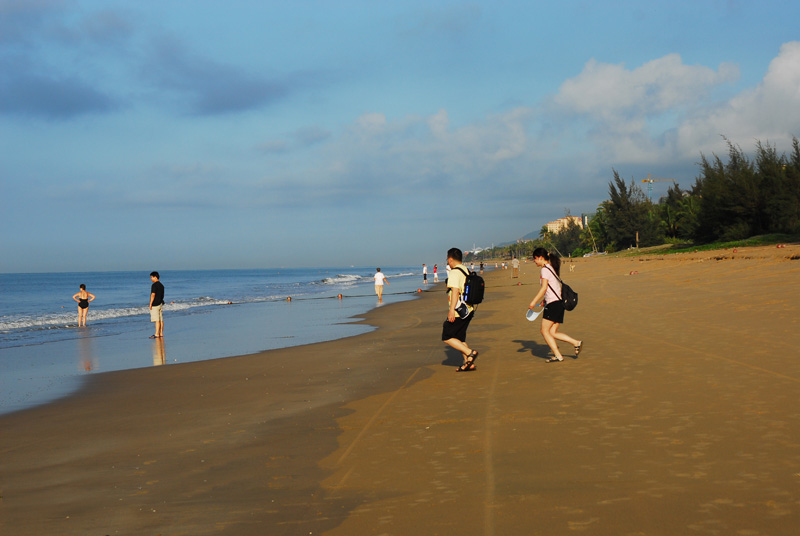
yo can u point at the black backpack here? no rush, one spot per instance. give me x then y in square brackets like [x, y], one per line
[568, 296]
[473, 288]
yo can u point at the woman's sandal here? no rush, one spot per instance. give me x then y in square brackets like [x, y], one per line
[578, 349]
[554, 360]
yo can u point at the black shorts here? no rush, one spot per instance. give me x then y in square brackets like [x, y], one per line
[456, 329]
[554, 312]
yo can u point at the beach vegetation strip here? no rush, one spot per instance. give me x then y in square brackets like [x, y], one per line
[736, 202]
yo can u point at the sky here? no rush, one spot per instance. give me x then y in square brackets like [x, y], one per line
[165, 134]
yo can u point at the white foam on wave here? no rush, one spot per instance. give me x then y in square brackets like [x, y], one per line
[67, 319]
[342, 279]
[353, 279]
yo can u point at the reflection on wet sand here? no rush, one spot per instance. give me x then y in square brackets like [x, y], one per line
[87, 360]
[159, 354]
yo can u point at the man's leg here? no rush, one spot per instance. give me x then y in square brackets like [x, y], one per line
[460, 346]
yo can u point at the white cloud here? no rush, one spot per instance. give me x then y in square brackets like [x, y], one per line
[376, 156]
[439, 123]
[418, 147]
[613, 93]
[371, 122]
[664, 111]
[768, 112]
[299, 139]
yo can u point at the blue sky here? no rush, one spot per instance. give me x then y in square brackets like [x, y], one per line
[239, 134]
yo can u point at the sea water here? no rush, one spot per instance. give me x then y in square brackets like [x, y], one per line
[208, 314]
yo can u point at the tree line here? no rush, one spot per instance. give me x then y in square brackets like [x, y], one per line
[729, 201]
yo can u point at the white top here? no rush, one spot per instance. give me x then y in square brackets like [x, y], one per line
[379, 277]
[548, 273]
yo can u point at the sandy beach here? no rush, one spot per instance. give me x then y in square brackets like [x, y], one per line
[680, 417]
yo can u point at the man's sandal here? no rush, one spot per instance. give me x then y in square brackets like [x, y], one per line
[469, 364]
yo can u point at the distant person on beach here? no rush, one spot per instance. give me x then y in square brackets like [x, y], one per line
[157, 305]
[424, 274]
[435, 273]
[83, 298]
[454, 329]
[481, 265]
[553, 314]
[380, 279]
[514, 267]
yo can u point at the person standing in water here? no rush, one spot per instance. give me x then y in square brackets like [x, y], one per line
[553, 314]
[83, 298]
[157, 305]
[380, 279]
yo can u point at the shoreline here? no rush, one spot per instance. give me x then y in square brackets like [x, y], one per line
[32, 376]
[664, 425]
[266, 392]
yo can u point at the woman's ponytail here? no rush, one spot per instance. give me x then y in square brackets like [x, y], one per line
[555, 262]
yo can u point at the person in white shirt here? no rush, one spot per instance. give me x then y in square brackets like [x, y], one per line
[380, 279]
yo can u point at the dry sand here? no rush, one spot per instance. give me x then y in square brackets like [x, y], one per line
[680, 417]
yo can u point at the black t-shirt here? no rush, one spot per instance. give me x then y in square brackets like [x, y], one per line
[158, 290]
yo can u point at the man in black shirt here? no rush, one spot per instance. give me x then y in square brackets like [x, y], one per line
[156, 305]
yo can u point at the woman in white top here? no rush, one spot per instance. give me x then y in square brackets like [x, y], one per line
[553, 314]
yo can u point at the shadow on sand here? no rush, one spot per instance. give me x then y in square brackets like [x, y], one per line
[539, 350]
[453, 358]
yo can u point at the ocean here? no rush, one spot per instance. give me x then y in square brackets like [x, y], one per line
[208, 314]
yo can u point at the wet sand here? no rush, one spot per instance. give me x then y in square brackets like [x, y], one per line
[679, 417]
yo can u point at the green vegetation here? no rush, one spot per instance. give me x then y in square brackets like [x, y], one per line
[729, 202]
